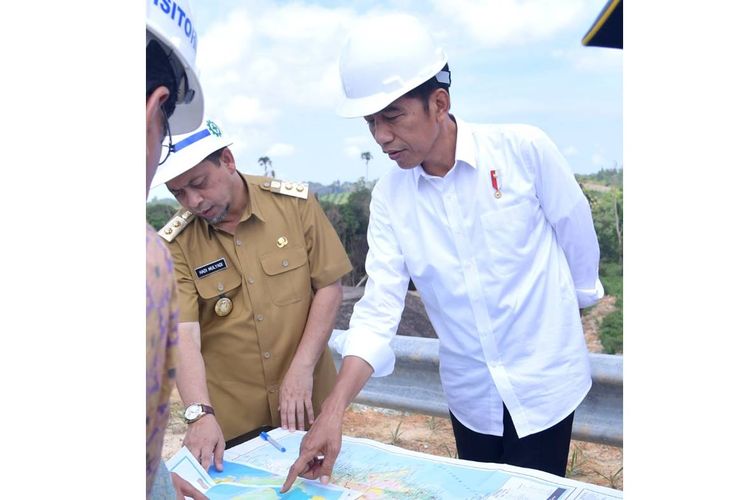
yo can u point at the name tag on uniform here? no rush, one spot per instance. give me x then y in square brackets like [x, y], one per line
[211, 267]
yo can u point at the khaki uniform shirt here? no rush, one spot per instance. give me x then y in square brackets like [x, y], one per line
[283, 250]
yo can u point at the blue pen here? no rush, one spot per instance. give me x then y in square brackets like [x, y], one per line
[266, 437]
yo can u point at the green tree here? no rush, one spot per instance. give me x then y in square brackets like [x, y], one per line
[605, 177]
[367, 157]
[157, 214]
[266, 163]
[607, 211]
[350, 221]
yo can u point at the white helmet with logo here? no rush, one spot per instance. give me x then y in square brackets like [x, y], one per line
[170, 22]
[383, 59]
[188, 150]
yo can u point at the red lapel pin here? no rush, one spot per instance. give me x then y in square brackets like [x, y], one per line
[493, 176]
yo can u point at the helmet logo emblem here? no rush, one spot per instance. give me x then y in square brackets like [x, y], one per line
[213, 128]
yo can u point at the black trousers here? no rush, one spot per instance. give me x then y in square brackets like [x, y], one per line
[546, 450]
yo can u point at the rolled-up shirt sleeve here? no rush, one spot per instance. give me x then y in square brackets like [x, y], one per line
[377, 314]
[568, 211]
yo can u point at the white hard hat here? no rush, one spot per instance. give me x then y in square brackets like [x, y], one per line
[172, 24]
[385, 58]
[188, 150]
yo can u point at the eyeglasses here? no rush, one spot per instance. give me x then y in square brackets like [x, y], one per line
[166, 149]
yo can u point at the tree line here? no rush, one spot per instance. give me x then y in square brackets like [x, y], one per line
[603, 190]
[350, 218]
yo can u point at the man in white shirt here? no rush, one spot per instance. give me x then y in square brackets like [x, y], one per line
[492, 227]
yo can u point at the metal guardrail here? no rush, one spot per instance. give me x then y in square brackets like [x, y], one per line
[415, 386]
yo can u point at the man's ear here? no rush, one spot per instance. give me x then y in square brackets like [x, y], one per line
[153, 104]
[227, 159]
[441, 102]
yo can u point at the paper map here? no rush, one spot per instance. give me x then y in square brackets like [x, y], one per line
[381, 471]
[241, 481]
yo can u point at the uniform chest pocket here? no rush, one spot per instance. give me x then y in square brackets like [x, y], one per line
[224, 283]
[287, 274]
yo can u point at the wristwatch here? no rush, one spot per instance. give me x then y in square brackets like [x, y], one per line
[195, 411]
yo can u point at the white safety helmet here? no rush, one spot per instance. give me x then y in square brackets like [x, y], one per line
[170, 22]
[188, 150]
[383, 59]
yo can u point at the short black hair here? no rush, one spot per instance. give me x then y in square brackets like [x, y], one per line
[159, 72]
[425, 90]
[215, 157]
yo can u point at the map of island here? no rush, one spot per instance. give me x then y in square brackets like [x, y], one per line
[382, 471]
[245, 482]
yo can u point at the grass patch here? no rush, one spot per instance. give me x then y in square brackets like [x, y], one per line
[611, 277]
[574, 463]
[612, 478]
[610, 331]
[396, 434]
[450, 452]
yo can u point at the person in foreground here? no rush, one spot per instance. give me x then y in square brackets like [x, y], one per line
[259, 270]
[173, 99]
[490, 224]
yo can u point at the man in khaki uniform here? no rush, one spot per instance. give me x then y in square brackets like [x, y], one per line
[258, 268]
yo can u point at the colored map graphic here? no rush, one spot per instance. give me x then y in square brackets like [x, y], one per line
[381, 471]
[240, 482]
[370, 470]
[245, 482]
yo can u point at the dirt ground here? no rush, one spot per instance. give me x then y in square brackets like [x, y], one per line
[587, 462]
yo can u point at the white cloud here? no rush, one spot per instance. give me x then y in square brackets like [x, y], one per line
[269, 71]
[225, 43]
[352, 151]
[357, 139]
[238, 149]
[598, 160]
[279, 55]
[262, 59]
[280, 149]
[242, 109]
[494, 23]
[305, 23]
[356, 145]
[592, 59]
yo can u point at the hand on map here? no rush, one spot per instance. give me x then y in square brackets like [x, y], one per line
[204, 439]
[185, 489]
[295, 398]
[322, 440]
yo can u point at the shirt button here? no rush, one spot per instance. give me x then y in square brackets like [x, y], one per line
[259, 317]
[238, 242]
[284, 263]
[250, 280]
[266, 354]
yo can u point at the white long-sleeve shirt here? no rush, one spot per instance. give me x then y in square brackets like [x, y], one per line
[502, 278]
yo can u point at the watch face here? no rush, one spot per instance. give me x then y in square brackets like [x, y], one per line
[193, 412]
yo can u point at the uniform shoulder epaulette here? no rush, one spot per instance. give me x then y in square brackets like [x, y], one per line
[176, 224]
[296, 189]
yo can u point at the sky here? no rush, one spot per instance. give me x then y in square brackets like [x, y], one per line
[269, 72]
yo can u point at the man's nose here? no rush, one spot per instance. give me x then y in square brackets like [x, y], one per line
[382, 133]
[193, 199]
